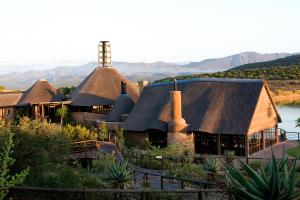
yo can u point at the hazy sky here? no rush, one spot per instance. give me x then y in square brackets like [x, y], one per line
[59, 31]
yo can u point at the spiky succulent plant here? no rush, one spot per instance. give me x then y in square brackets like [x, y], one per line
[120, 175]
[275, 181]
[210, 164]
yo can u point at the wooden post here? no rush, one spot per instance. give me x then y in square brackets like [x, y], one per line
[161, 182]
[246, 148]
[219, 145]
[263, 138]
[276, 134]
[200, 195]
[43, 111]
[182, 184]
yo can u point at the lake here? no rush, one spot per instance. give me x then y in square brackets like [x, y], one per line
[289, 113]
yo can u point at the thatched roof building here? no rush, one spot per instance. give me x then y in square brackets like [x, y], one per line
[8, 99]
[208, 105]
[229, 109]
[102, 87]
[41, 92]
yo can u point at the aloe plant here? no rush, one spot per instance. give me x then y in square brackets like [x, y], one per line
[120, 175]
[272, 182]
[210, 164]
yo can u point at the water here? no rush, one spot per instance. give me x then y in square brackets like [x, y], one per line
[289, 113]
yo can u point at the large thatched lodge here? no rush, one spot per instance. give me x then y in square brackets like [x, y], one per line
[206, 116]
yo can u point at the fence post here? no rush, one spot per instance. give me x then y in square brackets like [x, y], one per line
[199, 195]
[134, 177]
[298, 137]
[161, 182]
[182, 184]
[143, 196]
[162, 162]
[141, 160]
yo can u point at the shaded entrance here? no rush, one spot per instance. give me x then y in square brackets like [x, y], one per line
[158, 137]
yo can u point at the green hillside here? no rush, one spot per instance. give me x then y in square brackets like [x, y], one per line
[285, 62]
[274, 73]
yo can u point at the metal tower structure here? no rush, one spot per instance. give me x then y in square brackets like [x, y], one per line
[104, 54]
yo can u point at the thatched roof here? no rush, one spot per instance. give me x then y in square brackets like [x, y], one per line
[41, 92]
[123, 105]
[8, 99]
[102, 87]
[208, 105]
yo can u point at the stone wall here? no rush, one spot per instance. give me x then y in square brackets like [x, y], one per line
[185, 141]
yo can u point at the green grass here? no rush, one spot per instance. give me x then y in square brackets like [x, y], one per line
[294, 152]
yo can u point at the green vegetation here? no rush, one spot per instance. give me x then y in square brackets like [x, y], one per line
[274, 73]
[41, 146]
[62, 113]
[210, 165]
[294, 152]
[189, 171]
[275, 181]
[120, 176]
[286, 62]
[6, 162]
[229, 157]
[66, 90]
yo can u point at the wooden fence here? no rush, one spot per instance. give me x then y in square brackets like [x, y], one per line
[20, 193]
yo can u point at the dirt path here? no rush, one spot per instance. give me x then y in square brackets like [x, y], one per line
[277, 149]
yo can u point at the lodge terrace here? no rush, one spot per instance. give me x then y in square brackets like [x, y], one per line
[220, 114]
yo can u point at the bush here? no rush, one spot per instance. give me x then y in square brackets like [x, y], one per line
[189, 171]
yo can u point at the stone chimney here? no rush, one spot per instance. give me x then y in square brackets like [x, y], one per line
[142, 84]
[177, 125]
[123, 87]
[104, 54]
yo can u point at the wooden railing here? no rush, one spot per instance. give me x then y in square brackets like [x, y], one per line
[181, 181]
[85, 194]
[290, 135]
[83, 146]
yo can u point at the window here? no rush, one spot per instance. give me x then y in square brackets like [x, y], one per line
[206, 143]
[234, 143]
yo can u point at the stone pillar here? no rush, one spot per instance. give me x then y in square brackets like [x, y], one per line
[177, 125]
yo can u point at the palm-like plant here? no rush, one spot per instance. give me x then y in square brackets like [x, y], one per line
[229, 157]
[273, 182]
[120, 175]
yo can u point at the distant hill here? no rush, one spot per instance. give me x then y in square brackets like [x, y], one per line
[284, 62]
[72, 76]
[222, 64]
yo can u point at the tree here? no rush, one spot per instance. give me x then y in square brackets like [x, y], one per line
[62, 113]
[6, 162]
[298, 122]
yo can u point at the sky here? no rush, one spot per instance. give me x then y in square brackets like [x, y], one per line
[62, 32]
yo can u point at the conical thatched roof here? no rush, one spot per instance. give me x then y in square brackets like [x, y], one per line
[102, 87]
[224, 106]
[123, 105]
[41, 92]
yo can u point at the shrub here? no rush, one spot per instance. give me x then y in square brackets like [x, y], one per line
[189, 171]
[8, 180]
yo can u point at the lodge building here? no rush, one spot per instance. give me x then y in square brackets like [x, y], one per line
[204, 115]
[217, 114]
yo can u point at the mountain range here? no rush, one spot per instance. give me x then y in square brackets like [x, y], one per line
[73, 75]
